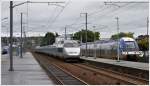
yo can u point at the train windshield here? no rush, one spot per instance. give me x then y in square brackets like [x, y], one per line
[71, 45]
[130, 45]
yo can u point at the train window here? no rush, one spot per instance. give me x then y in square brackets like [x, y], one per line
[130, 44]
[60, 49]
[62, 42]
[71, 45]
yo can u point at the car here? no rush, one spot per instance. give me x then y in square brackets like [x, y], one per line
[4, 51]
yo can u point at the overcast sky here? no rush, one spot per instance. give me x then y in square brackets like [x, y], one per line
[39, 18]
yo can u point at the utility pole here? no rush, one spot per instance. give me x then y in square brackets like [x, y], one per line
[81, 37]
[81, 42]
[25, 39]
[112, 3]
[118, 39]
[147, 24]
[65, 33]
[21, 39]
[11, 35]
[94, 43]
[86, 31]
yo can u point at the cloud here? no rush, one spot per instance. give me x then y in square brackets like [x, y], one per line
[132, 17]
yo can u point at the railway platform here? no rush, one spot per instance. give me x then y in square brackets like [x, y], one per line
[137, 69]
[27, 71]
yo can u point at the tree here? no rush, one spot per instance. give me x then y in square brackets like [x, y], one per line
[48, 39]
[122, 34]
[90, 36]
[143, 42]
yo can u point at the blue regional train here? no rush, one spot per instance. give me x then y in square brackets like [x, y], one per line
[128, 49]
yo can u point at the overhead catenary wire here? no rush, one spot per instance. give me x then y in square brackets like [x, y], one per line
[93, 17]
[122, 12]
[27, 20]
[50, 18]
[90, 14]
[111, 12]
[75, 23]
[95, 12]
[115, 11]
[59, 14]
[106, 14]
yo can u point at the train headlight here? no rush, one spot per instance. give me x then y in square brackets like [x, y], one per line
[72, 52]
[124, 53]
[141, 54]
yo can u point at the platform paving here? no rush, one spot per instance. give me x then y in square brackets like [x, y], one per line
[27, 71]
[130, 64]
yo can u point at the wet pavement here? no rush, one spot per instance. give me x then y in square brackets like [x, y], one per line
[27, 71]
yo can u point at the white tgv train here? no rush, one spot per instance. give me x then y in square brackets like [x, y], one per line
[64, 49]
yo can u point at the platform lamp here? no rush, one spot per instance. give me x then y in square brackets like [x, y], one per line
[94, 43]
[118, 53]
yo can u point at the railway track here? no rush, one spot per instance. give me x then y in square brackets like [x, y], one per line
[95, 76]
[121, 78]
[59, 75]
[120, 73]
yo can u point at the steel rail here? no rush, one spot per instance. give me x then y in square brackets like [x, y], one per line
[62, 73]
[113, 76]
[127, 78]
[118, 73]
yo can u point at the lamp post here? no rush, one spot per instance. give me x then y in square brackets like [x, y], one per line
[94, 44]
[147, 25]
[86, 30]
[65, 33]
[21, 40]
[118, 53]
[11, 35]
[81, 42]
[112, 3]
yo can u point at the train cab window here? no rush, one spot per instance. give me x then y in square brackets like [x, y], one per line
[130, 44]
[62, 42]
[71, 45]
[60, 49]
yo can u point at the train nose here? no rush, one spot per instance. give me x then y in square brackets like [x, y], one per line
[72, 51]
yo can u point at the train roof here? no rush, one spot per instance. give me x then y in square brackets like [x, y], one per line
[100, 41]
[72, 41]
[110, 40]
[127, 39]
